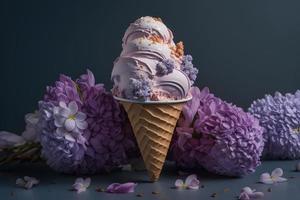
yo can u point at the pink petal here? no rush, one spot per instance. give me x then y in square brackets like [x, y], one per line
[277, 172]
[121, 188]
[62, 104]
[192, 182]
[266, 178]
[179, 183]
[70, 124]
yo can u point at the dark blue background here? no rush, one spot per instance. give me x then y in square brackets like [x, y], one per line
[243, 49]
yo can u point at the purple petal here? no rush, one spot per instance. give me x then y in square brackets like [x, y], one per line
[8, 139]
[121, 188]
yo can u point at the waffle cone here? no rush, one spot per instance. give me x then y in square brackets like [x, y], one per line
[153, 126]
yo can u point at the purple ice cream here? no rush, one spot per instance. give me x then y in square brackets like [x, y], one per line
[151, 66]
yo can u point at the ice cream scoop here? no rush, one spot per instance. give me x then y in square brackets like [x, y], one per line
[151, 66]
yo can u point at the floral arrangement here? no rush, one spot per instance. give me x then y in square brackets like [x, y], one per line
[79, 128]
[217, 136]
[279, 115]
[83, 129]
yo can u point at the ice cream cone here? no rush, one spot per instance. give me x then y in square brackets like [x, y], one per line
[153, 126]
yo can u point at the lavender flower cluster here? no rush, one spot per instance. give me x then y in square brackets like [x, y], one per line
[165, 67]
[188, 68]
[279, 115]
[139, 88]
[83, 129]
[217, 136]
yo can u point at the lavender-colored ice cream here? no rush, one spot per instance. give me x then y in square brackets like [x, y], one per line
[151, 66]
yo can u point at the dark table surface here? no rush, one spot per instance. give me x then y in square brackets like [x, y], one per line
[57, 186]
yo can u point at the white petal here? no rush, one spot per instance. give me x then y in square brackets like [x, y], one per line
[87, 182]
[81, 124]
[179, 183]
[59, 120]
[256, 195]
[31, 179]
[56, 110]
[62, 104]
[266, 178]
[32, 118]
[28, 185]
[73, 107]
[70, 124]
[244, 196]
[70, 138]
[79, 180]
[192, 182]
[61, 131]
[20, 182]
[65, 112]
[80, 116]
[248, 190]
[279, 179]
[277, 172]
[82, 189]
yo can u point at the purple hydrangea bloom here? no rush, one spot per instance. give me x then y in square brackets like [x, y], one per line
[109, 141]
[279, 115]
[217, 136]
[165, 67]
[139, 88]
[65, 90]
[188, 68]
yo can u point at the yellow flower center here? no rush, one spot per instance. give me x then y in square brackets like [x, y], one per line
[72, 117]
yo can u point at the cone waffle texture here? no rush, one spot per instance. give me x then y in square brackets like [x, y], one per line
[153, 126]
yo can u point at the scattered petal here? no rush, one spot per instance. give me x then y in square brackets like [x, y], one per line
[81, 184]
[266, 178]
[191, 182]
[121, 188]
[275, 177]
[179, 184]
[27, 182]
[277, 172]
[247, 194]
